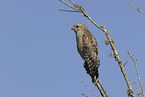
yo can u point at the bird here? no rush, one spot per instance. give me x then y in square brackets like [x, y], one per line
[88, 49]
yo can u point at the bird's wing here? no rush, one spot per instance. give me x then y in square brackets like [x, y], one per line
[90, 51]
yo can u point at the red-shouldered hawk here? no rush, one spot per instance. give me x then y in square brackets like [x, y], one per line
[88, 49]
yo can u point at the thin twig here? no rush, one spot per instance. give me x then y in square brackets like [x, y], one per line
[137, 72]
[68, 10]
[124, 54]
[139, 91]
[125, 63]
[85, 95]
[71, 2]
[136, 89]
[138, 9]
[89, 89]
[80, 60]
[68, 5]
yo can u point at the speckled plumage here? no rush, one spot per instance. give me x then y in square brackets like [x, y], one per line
[88, 49]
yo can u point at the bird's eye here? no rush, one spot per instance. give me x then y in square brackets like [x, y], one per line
[77, 26]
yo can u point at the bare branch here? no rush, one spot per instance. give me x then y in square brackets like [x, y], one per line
[117, 58]
[100, 88]
[137, 72]
[138, 9]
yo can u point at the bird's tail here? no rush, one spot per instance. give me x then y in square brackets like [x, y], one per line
[92, 71]
[95, 77]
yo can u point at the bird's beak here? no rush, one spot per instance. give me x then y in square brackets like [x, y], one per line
[72, 28]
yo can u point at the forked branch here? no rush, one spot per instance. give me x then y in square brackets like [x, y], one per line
[142, 93]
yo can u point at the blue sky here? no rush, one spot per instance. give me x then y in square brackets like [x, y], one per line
[38, 55]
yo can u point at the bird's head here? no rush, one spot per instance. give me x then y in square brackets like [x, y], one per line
[78, 27]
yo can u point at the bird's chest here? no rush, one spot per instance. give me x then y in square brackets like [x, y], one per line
[79, 44]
